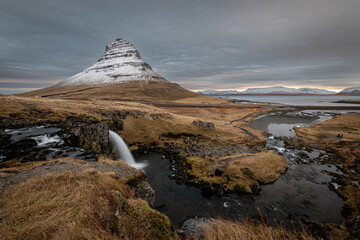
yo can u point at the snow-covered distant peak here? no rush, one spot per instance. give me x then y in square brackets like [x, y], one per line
[216, 92]
[270, 90]
[120, 63]
[315, 91]
[352, 90]
[286, 90]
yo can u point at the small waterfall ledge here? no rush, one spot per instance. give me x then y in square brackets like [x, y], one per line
[122, 151]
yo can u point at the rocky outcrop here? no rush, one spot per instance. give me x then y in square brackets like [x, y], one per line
[87, 134]
[202, 124]
[146, 192]
[120, 63]
[15, 123]
[156, 116]
[194, 227]
[22, 151]
[142, 188]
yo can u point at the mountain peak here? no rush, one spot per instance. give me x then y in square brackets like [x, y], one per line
[120, 63]
[351, 90]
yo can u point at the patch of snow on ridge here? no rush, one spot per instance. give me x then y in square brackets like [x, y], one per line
[350, 90]
[120, 63]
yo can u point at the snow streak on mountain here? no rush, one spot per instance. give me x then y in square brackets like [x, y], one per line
[120, 63]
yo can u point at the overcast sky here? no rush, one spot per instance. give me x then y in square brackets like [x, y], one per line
[200, 44]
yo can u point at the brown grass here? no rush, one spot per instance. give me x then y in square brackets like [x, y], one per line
[137, 90]
[87, 205]
[348, 125]
[141, 130]
[249, 230]
[239, 171]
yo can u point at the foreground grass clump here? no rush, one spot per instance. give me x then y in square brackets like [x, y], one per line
[87, 205]
[246, 230]
[241, 172]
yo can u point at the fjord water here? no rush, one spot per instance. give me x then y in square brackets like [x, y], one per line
[300, 100]
[302, 194]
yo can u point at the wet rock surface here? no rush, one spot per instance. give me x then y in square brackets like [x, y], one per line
[15, 123]
[146, 192]
[37, 143]
[87, 134]
[193, 227]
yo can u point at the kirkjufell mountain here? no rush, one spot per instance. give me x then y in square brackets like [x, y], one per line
[120, 73]
[121, 62]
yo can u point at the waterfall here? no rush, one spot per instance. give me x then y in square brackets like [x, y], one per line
[122, 151]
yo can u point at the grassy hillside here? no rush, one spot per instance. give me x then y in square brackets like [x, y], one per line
[135, 91]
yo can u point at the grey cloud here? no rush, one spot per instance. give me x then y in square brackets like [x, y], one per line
[198, 43]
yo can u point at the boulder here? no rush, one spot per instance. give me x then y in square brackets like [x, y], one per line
[202, 124]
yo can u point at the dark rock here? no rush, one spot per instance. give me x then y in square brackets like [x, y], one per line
[116, 125]
[4, 139]
[146, 192]
[202, 124]
[194, 227]
[217, 189]
[36, 155]
[15, 123]
[113, 114]
[135, 113]
[155, 116]
[19, 149]
[87, 134]
[219, 172]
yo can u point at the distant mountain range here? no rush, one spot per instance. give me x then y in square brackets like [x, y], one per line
[351, 91]
[281, 91]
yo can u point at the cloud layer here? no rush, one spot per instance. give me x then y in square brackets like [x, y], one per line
[197, 43]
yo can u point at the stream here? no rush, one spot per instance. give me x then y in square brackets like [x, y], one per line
[39, 143]
[300, 195]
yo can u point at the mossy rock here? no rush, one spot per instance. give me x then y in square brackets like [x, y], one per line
[137, 179]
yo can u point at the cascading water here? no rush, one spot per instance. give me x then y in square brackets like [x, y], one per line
[122, 151]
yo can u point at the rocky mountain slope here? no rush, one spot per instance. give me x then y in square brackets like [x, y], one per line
[119, 74]
[121, 62]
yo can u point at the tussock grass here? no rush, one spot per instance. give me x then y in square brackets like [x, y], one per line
[240, 171]
[87, 205]
[249, 230]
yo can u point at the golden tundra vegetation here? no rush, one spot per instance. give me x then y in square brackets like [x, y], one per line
[94, 205]
[85, 205]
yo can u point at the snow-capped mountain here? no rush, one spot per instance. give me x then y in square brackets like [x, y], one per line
[216, 92]
[121, 62]
[315, 91]
[352, 90]
[285, 90]
[269, 90]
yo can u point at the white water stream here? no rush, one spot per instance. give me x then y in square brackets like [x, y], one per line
[122, 151]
